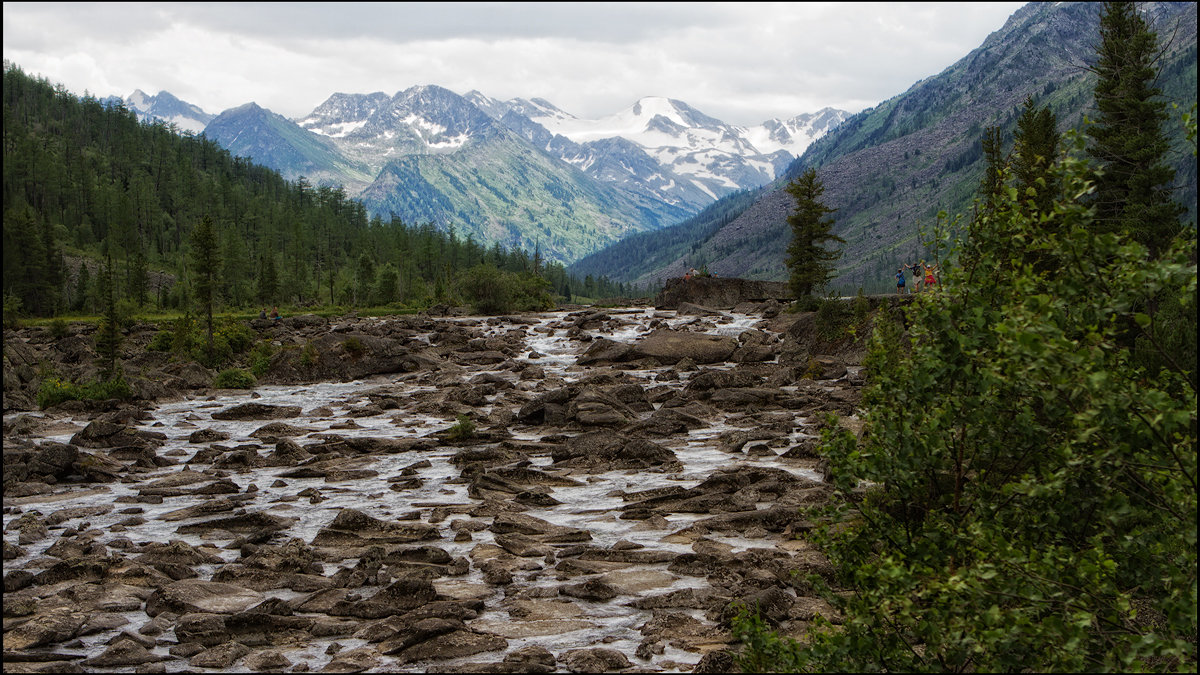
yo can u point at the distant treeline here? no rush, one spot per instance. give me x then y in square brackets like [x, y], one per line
[87, 186]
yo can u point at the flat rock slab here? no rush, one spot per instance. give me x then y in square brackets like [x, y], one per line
[195, 595]
[514, 630]
[257, 411]
[670, 346]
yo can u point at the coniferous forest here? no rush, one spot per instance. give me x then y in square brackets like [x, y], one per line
[91, 193]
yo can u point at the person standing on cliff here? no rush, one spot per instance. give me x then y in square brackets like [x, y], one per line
[900, 281]
[916, 270]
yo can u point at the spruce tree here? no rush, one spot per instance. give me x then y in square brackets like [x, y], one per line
[268, 280]
[206, 259]
[992, 185]
[809, 262]
[1035, 146]
[1127, 141]
[108, 336]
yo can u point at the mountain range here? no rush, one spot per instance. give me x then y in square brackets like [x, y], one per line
[518, 172]
[889, 170]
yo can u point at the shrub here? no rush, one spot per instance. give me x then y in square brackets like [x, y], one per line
[1036, 507]
[12, 311]
[234, 378]
[308, 355]
[53, 391]
[260, 358]
[59, 329]
[833, 318]
[161, 342]
[462, 429]
[353, 346]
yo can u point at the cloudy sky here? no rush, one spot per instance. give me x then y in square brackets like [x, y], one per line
[742, 63]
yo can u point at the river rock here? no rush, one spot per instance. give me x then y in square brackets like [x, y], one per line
[669, 346]
[196, 595]
[257, 411]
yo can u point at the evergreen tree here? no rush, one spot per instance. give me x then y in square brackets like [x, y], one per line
[108, 336]
[809, 261]
[387, 284]
[139, 280]
[992, 186]
[268, 280]
[206, 260]
[1024, 496]
[83, 287]
[1035, 147]
[1132, 194]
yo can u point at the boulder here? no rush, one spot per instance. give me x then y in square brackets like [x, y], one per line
[670, 346]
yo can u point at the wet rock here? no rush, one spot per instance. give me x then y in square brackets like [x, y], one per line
[603, 351]
[353, 661]
[257, 411]
[258, 523]
[196, 595]
[267, 661]
[100, 434]
[55, 625]
[594, 660]
[201, 436]
[599, 451]
[221, 656]
[670, 346]
[451, 645]
[124, 652]
[542, 530]
[592, 589]
[353, 528]
[403, 595]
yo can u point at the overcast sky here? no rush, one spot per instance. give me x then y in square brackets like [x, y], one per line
[742, 63]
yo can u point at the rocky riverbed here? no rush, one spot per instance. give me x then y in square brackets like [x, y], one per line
[580, 491]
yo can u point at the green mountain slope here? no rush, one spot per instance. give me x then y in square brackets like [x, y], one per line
[495, 187]
[275, 141]
[889, 170]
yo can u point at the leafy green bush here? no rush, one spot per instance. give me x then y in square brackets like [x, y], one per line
[353, 346]
[12, 311]
[463, 429]
[491, 290]
[234, 378]
[260, 358]
[833, 319]
[308, 355]
[59, 329]
[236, 334]
[162, 340]
[1035, 504]
[53, 391]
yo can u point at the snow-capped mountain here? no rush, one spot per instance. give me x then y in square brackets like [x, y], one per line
[375, 128]
[705, 153]
[164, 106]
[519, 172]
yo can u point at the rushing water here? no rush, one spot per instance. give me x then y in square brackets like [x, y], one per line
[593, 505]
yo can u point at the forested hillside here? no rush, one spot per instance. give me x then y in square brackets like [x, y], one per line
[87, 187]
[891, 169]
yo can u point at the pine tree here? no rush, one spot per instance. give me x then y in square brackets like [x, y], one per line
[809, 261]
[139, 280]
[1127, 140]
[108, 336]
[268, 280]
[1035, 146]
[992, 185]
[206, 259]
